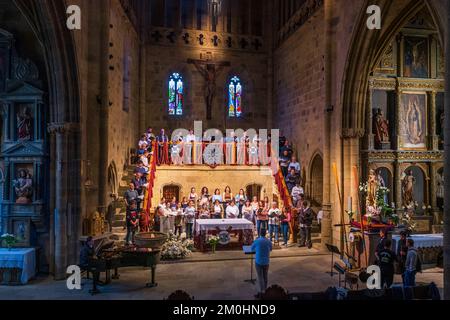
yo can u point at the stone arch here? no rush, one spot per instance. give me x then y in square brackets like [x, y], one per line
[315, 185]
[254, 189]
[58, 48]
[371, 45]
[172, 184]
[422, 182]
[113, 179]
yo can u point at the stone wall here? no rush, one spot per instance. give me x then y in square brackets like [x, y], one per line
[236, 177]
[299, 89]
[250, 67]
[123, 131]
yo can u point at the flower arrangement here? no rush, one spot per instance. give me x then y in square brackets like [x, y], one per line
[407, 221]
[9, 240]
[176, 248]
[213, 241]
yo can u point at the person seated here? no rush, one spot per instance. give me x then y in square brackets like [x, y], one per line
[204, 212]
[232, 211]
[284, 163]
[291, 180]
[218, 211]
[287, 147]
[141, 168]
[142, 145]
[294, 164]
[87, 253]
[296, 193]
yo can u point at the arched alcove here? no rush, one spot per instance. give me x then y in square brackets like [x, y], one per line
[316, 180]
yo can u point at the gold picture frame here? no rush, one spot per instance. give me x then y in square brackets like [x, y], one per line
[413, 122]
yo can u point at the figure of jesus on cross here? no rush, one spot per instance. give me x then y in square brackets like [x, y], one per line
[209, 71]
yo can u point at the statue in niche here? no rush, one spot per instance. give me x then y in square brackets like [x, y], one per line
[408, 183]
[23, 186]
[440, 185]
[24, 123]
[414, 122]
[372, 188]
[381, 128]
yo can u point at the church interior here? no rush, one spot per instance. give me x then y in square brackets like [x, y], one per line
[295, 104]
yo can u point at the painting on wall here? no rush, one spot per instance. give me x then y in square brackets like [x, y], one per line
[21, 229]
[413, 121]
[416, 57]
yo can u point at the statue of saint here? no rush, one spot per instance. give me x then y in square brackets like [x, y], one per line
[381, 127]
[372, 188]
[408, 189]
[414, 122]
[440, 185]
[24, 124]
[23, 186]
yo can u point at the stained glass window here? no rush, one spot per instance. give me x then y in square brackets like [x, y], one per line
[235, 98]
[176, 94]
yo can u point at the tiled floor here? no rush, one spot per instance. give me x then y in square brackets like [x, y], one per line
[204, 276]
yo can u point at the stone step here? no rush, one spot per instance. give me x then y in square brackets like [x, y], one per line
[118, 230]
[118, 224]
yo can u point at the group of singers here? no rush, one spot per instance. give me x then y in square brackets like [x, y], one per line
[180, 216]
[188, 150]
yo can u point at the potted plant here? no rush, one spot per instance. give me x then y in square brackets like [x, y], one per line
[8, 240]
[213, 241]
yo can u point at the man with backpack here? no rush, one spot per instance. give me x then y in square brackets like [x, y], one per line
[386, 259]
[412, 266]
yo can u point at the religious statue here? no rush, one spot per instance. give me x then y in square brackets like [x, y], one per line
[23, 186]
[209, 74]
[414, 122]
[381, 128]
[408, 182]
[24, 124]
[440, 185]
[372, 188]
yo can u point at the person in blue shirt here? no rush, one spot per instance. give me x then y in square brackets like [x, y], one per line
[262, 248]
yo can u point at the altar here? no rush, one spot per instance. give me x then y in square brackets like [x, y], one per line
[232, 233]
[429, 246]
[17, 266]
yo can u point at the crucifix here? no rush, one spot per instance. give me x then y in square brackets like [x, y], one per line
[209, 71]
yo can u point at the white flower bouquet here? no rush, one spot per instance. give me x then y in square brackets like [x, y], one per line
[9, 240]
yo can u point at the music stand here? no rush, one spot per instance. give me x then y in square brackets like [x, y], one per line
[333, 250]
[248, 251]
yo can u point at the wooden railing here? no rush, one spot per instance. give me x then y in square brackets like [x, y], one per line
[151, 182]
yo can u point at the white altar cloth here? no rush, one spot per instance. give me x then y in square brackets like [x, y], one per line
[223, 224]
[24, 259]
[422, 240]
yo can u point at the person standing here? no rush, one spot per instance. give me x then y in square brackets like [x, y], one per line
[296, 193]
[409, 279]
[179, 220]
[189, 215]
[402, 251]
[262, 218]
[274, 221]
[305, 222]
[262, 248]
[130, 195]
[132, 220]
[386, 263]
[381, 243]
[285, 220]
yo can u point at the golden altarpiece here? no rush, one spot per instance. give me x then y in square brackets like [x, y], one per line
[403, 143]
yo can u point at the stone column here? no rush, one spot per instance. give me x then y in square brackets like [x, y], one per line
[447, 163]
[433, 138]
[432, 193]
[327, 237]
[398, 187]
[370, 135]
[58, 131]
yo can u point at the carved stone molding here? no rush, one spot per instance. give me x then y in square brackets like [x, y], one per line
[409, 156]
[421, 84]
[382, 83]
[61, 128]
[352, 133]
